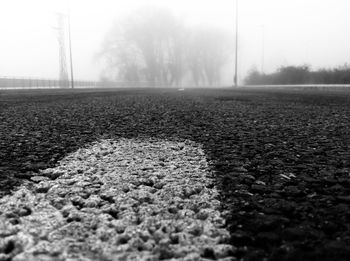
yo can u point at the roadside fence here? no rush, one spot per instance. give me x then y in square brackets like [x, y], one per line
[40, 83]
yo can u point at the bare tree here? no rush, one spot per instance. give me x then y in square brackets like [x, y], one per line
[210, 51]
[144, 47]
[154, 45]
[124, 61]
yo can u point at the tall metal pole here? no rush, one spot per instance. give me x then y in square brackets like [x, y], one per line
[70, 50]
[263, 50]
[63, 74]
[236, 55]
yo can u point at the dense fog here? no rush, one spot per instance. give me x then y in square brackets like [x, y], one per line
[109, 43]
[154, 45]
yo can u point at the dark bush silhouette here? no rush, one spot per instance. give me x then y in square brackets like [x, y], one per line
[300, 75]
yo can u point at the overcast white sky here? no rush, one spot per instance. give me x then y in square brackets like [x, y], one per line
[316, 32]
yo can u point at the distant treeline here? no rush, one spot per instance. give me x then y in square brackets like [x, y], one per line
[154, 45]
[300, 75]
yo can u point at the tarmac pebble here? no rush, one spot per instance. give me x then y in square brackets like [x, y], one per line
[124, 199]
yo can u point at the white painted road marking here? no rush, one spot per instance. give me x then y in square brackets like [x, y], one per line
[118, 200]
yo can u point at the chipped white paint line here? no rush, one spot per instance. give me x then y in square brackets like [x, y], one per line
[118, 200]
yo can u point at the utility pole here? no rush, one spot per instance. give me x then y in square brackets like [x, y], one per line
[236, 48]
[63, 75]
[70, 50]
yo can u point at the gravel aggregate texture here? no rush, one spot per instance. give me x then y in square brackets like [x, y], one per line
[280, 159]
[118, 200]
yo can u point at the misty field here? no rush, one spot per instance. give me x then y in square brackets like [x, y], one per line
[281, 158]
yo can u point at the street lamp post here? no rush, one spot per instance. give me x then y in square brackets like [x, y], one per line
[263, 49]
[70, 50]
[236, 49]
